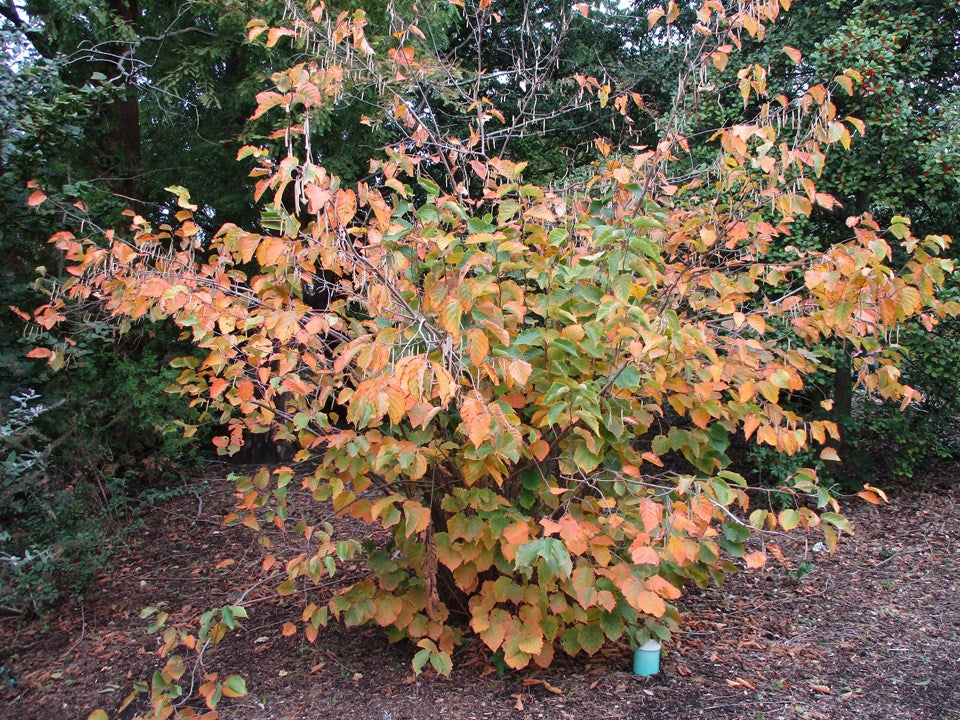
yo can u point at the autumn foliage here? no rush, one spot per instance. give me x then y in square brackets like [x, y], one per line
[531, 390]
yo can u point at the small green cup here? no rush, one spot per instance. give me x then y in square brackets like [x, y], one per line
[646, 658]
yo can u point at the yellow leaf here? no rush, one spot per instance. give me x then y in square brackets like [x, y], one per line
[416, 516]
[858, 124]
[451, 315]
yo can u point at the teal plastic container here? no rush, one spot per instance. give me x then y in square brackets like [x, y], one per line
[646, 658]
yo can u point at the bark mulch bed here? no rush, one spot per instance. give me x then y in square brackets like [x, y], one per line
[871, 632]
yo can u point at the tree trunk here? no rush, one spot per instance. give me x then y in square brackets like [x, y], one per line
[124, 119]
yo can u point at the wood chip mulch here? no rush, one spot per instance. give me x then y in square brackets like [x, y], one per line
[871, 632]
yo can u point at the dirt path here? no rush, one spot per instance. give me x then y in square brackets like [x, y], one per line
[871, 633]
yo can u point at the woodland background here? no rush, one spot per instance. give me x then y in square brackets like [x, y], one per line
[107, 103]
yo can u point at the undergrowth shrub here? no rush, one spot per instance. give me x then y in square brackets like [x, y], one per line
[79, 461]
[886, 440]
[51, 543]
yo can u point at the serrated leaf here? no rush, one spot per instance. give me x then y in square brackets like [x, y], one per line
[789, 519]
[591, 638]
[235, 686]
[420, 660]
[838, 521]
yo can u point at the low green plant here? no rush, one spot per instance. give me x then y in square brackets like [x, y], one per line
[52, 544]
[904, 442]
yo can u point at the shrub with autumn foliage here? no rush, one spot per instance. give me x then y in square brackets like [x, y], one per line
[530, 388]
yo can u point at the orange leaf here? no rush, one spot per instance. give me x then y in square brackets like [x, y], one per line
[36, 198]
[651, 604]
[793, 53]
[683, 550]
[653, 458]
[477, 346]
[651, 513]
[517, 533]
[662, 587]
[540, 449]
[346, 206]
[828, 453]
[755, 560]
[245, 390]
[520, 371]
[217, 386]
[642, 554]
[288, 629]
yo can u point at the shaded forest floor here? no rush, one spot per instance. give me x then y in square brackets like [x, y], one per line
[871, 632]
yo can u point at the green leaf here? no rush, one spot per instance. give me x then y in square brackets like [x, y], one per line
[584, 459]
[838, 521]
[733, 548]
[553, 554]
[479, 225]
[628, 378]
[428, 214]
[647, 222]
[591, 638]
[420, 660]
[789, 519]
[722, 491]
[621, 286]
[441, 663]
[235, 686]
[433, 190]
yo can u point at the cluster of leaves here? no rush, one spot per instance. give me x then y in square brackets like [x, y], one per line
[531, 391]
[903, 165]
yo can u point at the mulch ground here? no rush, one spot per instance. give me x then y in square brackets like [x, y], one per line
[871, 632]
